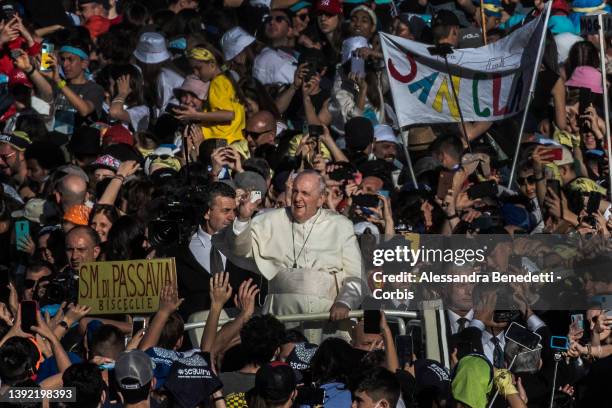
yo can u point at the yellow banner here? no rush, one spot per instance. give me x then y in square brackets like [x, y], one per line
[133, 286]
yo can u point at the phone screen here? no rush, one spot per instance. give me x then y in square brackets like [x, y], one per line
[47, 49]
[405, 348]
[523, 336]
[29, 308]
[137, 324]
[559, 342]
[371, 321]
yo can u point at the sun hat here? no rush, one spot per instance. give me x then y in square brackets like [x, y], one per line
[151, 49]
[234, 41]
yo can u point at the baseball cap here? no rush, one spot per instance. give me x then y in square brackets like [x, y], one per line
[329, 6]
[106, 162]
[384, 133]
[301, 355]
[566, 157]
[470, 37]
[445, 18]
[275, 382]
[586, 77]
[18, 77]
[18, 139]
[32, 211]
[234, 41]
[117, 134]
[133, 370]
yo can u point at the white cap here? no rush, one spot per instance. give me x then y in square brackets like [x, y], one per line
[351, 44]
[234, 41]
[566, 157]
[565, 41]
[151, 49]
[274, 67]
[384, 133]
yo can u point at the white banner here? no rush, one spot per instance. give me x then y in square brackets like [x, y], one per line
[492, 82]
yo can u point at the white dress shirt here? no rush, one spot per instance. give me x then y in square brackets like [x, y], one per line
[200, 248]
[453, 317]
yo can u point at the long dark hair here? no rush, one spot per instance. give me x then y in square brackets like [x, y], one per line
[334, 361]
[125, 240]
[581, 53]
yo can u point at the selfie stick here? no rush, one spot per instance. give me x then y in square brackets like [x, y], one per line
[602, 59]
[534, 78]
[497, 391]
[554, 383]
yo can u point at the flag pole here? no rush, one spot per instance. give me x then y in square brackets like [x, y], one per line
[483, 22]
[534, 78]
[405, 142]
[602, 59]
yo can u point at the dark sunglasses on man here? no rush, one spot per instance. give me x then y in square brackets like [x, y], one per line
[278, 19]
[527, 180]
[255, 135]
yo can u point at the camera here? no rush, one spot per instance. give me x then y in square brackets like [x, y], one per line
[63, 287]
[174, 224]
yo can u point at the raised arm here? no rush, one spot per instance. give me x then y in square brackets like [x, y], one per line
[220, 292]
[169, 303]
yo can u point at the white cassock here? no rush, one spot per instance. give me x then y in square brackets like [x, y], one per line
[309, 266]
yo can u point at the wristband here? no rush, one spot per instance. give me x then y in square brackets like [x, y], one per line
[61, 84]
[119, 177]
[450, 217]
[28, 73]
[215, 399]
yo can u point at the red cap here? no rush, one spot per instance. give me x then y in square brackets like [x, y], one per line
[561, 6]
[329, 6]
[117, 134]
[18, 77]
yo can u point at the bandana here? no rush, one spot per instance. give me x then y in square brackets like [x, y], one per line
[472, 381]
[74, 50]
[201, 54]
[585, 186]
[78, 214]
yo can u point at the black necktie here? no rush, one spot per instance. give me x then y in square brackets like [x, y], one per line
[216, 262]
[498, 353]
[462, 322]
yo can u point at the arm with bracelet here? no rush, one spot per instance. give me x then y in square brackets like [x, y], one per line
[126, 169]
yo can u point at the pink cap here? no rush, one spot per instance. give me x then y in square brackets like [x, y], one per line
[586, 77]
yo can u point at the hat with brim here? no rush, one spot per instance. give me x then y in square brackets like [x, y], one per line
[106, 162]
[151, 49]
[234, 41]
[18, 139]
[194, 86]
[384, 133]
[419, 138]
[586, 77]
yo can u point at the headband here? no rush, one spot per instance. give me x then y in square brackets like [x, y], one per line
[74, 50]
[201, 54]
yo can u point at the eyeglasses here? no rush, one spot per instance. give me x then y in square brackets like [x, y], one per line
[5, 157]
[159, 156]
[278, 19]
[303, 16]
[527, 180]
[29, 283]
[255, 135]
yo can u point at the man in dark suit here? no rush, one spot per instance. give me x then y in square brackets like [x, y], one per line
[200, 259]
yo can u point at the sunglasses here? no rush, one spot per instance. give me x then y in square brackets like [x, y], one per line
[303, 16]
[527, 180]
[159, 156]
[278, 19]
[255, 135]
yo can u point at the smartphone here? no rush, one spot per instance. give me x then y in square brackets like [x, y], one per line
[310, 396]
[384, 193]
[555, 186]
[578, 318]
[481, 190]
[556, 153]
[29, 310]
[220, 143]
[371, 321]
[593, 203]
[9, 12]
[315, 131]
[366, 200]
[404, 345]
[586, 98]
[47, 49]
[358, 66]
[445, 183]
[255, 195]
[559, 342]
[341, 174]
[138, 323]
[22, 232]
[522, 336]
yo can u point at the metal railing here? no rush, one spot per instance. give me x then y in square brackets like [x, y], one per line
[395, 315]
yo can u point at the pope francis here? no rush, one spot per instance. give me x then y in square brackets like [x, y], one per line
[309, 255]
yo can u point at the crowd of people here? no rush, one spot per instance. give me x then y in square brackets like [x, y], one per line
[256, 143]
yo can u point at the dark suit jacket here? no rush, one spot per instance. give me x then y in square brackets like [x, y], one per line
[194, 281]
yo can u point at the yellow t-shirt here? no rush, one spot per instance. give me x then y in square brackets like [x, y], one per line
[222, 96]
